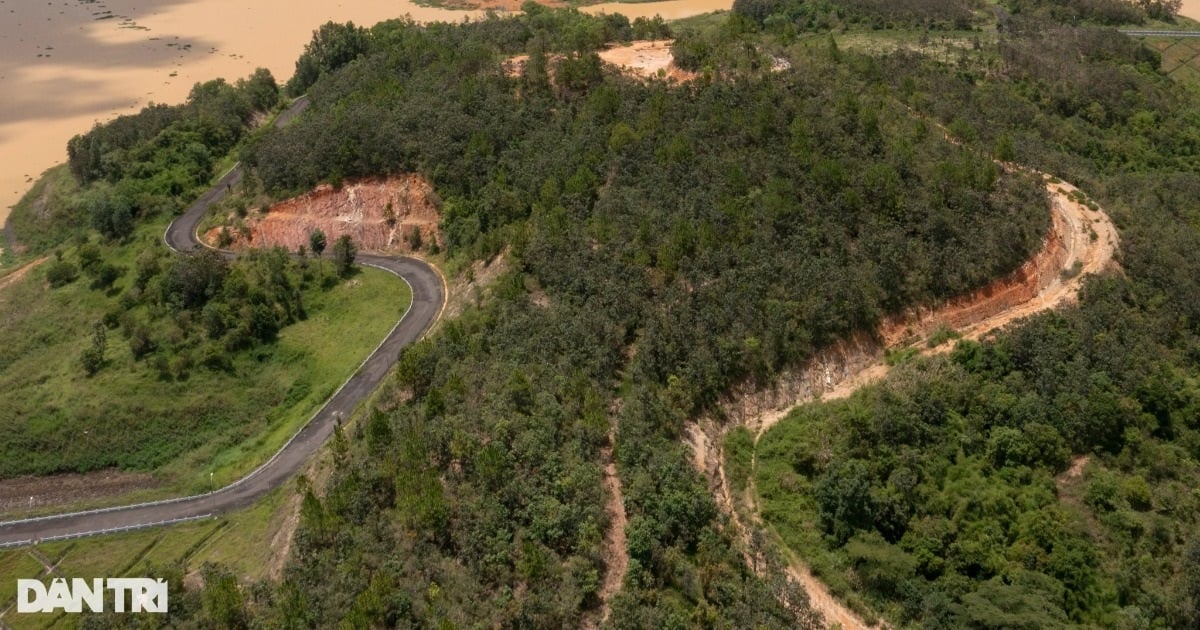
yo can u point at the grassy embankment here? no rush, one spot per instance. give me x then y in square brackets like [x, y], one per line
[223, 421]
[241, 542]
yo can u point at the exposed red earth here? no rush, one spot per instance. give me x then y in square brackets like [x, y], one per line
[380, 215]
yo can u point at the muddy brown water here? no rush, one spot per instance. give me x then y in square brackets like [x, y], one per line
[67, 64]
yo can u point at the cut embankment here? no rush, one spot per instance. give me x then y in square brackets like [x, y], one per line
[392, 215]
[1081, 241]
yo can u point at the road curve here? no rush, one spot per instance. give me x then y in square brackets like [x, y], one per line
[428, 296]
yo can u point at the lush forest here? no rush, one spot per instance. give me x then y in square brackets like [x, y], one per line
[143, 166]
[664, 243]
[1045, 478]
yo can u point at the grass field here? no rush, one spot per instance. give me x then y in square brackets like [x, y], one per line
[42, 216]
[1180, 57]
[241, 542]
[221, 422]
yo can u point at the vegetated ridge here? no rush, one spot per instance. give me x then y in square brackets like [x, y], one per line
[1081, 241]
[658, 252]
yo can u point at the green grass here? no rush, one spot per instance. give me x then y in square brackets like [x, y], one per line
[786, 496]
[42, 218]
[240, 541]
[15, 564]
[1180, 57]
[224, 423]
[739, 453]
[947, 46]
[699, 22]
[315, 356]
[940, 336]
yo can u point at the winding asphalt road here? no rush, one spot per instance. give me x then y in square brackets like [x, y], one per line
[428, 296]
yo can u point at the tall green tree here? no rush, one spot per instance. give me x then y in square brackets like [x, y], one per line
[317, 242]
[344, 253]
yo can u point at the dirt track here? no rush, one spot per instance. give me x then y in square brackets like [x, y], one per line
[1081, 241]
[615, 552]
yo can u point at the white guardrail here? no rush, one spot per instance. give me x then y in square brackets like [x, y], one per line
[100, 532]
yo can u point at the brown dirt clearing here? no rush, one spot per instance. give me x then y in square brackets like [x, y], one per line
[641, 58]
[646, 59]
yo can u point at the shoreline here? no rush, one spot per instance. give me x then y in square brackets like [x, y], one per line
[65, 67]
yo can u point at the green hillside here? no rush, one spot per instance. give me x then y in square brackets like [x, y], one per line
[666, 246]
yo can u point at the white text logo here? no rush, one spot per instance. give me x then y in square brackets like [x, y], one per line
[143, 595]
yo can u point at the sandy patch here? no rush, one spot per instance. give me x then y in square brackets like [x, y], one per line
[1191, 9]
[642, 58]
[647, 59]
[380, 214]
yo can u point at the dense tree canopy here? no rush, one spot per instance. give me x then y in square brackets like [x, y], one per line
[661, 244]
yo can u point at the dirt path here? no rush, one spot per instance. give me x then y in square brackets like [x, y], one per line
[615, 553]
[1075, 471]
[20, 273]
[1081, 241]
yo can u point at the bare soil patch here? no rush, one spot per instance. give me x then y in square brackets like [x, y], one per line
[642, 58]
[21, 494]
[647, 59]
[380, 214]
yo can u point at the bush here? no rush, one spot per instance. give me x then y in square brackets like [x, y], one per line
[60, 273]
